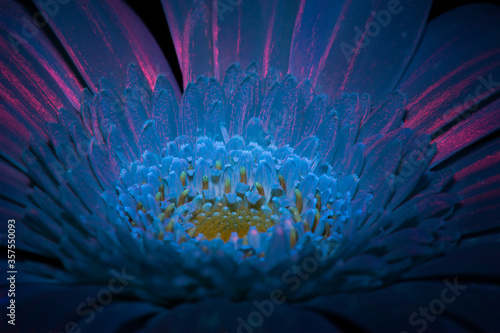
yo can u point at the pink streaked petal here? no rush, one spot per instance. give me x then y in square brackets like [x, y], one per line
[471, 129]
[190, 24]
[149, 55]
[454, 68]
[279, 33]
[325, 45]
[94, 38]
[247, 31]
[30, 97]
[13, 18]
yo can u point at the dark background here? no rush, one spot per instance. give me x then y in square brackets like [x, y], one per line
[151, 12]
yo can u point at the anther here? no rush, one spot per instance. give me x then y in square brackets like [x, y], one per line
[170, 226]
[218, 165]
[282, 182]
[182, 197]
[298, 200]
[293, 237]
[317, 216]
[183, 178]
[227, 185]
[259, 188]
[205, 182]
[243, 175]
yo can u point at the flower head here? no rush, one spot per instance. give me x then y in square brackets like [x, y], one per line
[254, 182]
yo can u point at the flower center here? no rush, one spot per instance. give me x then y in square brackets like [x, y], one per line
[236, 192]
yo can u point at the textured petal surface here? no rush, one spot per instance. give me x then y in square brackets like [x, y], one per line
[446, 79]
[110, 46]
[350, 46]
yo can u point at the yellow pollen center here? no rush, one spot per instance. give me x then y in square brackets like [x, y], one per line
[221, 220]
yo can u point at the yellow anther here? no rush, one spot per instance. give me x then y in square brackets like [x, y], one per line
[140, 206]
[160, 235]
[306, 227]
[218, 165]
[282, 182]
[161, 217]
[317, 216]
[259, 188]
[190, 167]
[182, 197]
[327, 230]
[205, 182]
[191, 232]
[170, 226]
[298, 200]
[243, 175]
[318, 202]
[158, 196]
[245, 241]
[295, 214]
[227, 185]
[170, 209]
[293, 237]
[183, 178]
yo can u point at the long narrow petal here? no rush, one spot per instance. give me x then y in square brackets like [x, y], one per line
[190, 24]
[445, 79]
[95, 39]
[340, 46]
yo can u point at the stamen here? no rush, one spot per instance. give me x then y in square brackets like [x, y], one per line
[298, 200]
[218, 165]
[293, 237]
[317, 216]
[170, 209]
[306, 227]
[170, 226]
[318, 201]
[259, 188]
[227, 185]
[183, 178]
[182, 197]
[295, 213]
[243, 175]
[205, 183]
[282, 182]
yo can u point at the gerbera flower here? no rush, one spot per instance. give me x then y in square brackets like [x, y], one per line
[329, 166]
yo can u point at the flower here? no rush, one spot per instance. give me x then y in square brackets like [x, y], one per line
[290, 188]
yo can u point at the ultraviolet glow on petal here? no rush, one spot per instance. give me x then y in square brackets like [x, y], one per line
[199, 198]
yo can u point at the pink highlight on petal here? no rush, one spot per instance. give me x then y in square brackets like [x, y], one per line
[492, 159]
[354, 57]
[296, 28]
[331, 39]
[448, 94]
[267, 44]
[468, 131]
